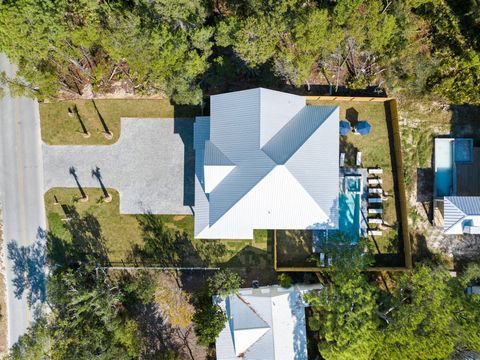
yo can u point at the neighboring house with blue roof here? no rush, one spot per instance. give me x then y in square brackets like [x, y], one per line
[457, 185]
[462, 215]
[267, 323]
[254, 146]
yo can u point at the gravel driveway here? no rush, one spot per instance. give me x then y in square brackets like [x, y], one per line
[151, 165]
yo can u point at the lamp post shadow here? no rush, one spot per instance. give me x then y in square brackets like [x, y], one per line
[106, 131]
[73, 172]
[86, 133]
[96, 174]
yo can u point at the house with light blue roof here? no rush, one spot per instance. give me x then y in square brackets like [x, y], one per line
[457, 185]
[267, 323]
[265, 160]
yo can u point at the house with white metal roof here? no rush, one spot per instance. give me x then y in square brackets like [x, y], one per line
[462, 215]
[267, 323]
[265, 160]
[457, 185]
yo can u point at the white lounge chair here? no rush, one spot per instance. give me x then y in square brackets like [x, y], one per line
[374, 181]
[322, 259]
[375, 190]
[359, 158]
[374, 200]
[376, 171]
[342, 159]
[375, 232]
[375, 211]
[375, 221]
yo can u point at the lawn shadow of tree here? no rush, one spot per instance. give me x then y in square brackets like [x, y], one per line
[160, 336]
[421, 252]
[165, 247]
[253, 264]
[86, 243]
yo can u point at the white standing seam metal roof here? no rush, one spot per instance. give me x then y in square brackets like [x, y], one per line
[265, 160]
[460, 210]
[264, 324]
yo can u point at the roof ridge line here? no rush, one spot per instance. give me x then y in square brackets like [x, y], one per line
[334, 108]
[267, 327]
[303, 187]
[455, 205]
[252, 309]
[260, 178]
[455, 223]
[220, 151]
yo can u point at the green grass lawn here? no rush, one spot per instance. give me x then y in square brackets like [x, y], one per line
[58, 128]
[123, 232]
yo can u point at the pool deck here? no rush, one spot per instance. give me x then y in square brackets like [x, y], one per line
[468, 176]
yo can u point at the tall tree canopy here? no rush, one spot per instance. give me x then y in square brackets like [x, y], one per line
[427, 315]
[93, 46]
[176, 48]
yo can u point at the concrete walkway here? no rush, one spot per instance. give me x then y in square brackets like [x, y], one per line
[151, 165]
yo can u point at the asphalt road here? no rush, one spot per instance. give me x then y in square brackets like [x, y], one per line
[21, 193]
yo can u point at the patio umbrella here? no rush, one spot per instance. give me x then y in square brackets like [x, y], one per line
[344, 127]
[363, 128]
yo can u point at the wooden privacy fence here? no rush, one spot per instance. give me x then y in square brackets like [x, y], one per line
[348, 98]
[398, 178]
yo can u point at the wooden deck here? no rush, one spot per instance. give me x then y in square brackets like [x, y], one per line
[468, 175]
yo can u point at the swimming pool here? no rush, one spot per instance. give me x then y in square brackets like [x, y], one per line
[443, 167]
[349, 215]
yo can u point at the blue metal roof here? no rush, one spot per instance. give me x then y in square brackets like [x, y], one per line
[455, 208]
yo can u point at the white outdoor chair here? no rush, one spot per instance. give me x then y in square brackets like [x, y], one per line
[376, 171]
[359, 158]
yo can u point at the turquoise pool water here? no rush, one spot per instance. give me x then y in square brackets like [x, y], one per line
[353, 184]
[443, 167]
[349, 215]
